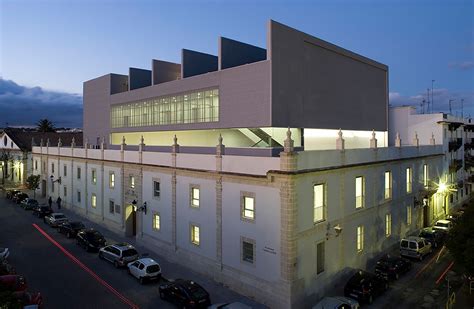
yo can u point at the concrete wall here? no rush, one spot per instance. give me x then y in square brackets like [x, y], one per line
[234, 53]
[197, 63]
[316, 84]
[138, 78]
[96, 112]
[163, 71]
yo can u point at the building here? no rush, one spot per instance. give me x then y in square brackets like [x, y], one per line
[268, 170]
[15, 152]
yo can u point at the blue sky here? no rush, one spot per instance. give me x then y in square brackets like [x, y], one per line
[57, 44]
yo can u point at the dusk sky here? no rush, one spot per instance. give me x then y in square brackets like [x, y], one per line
[57, 45]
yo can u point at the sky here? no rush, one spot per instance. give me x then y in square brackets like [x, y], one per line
[54, 46]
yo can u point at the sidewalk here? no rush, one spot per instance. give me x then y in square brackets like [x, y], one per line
[219, 293]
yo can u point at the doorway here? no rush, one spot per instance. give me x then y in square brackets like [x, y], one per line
[43, 188]
[426, 216]
[130, 221]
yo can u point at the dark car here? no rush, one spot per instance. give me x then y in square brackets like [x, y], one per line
[42, 210]
[70, 229]
[13, 283]
[11, 193]
[433, 236]
[27, 298]
[455, 217]
[6, 268]
[364, 286]
[391, 267]
[185, 294]
[90, 239]
[19, 197]
[29, 204]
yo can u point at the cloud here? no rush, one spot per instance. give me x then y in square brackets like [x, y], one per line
[23, 106]
[466, 65]
[441, 99]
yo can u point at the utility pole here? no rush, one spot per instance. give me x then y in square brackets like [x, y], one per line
[450, 109]
[423, 106]
[432, 98]
[428, 101]
[462, 108]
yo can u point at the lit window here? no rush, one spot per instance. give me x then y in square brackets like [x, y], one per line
[318, 203]
[388, 185]
[425, 175]
[194, 196]
[388, 225]
[78, 173]
[65, 191]
[52, 168]
[360, 238]
[64, 170]
[248, 251]
[111, 206]
[409, 176]
[408, 215]
[320, 255]
[195, 234]
[359, 191]
[248, 207]
[94, 200]
[156, 189]
[131, 182]
[111, 180]
[94, 176]
[156, 222]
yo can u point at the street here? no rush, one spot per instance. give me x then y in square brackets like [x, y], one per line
[69, 277]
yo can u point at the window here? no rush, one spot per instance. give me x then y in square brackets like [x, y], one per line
[248, 250]
[247, 206]
[318, 202]
[117, 208]
[156, 188]
[359, 191]
[195, 234]
[52, 168]
[360, 238]
[64, 170]
[78, 196]
[78, 173]
[131, 181]
[156, 222]
[408, 215]
[388, 225]
[425, 175]
[409, 176]
[65, 191]
[111, 180]
[194, 196]
[320, 257]
[388, 185]
[36, 165]
[94, 176]
[111, 206]
[94, 200]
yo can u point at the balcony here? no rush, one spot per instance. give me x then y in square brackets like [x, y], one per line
[455, 166]
[468, 161]
[455, 144]
[469, 144]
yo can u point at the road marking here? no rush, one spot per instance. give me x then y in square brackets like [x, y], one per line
[444, 273]
[424, 267]
[87, 269]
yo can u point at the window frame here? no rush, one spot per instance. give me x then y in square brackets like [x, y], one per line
[131, 181]
[94, 176]
[93, 200]
[111, 179]
[192, 230]
[192, 197]
[409, 179]
[425, 176]
[78, 172]
[324, 203]
[360, 200]
[154, 226]
[409, 215]
[388, 225]
[360, 235]
[244, 195]
[156, 181]
[64, 170]
[252, 243]
[388, 190]
[320, 265]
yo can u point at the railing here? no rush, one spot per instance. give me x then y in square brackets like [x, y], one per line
[455, 165]
[455, 144]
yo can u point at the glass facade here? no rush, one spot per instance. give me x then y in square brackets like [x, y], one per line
[192, 107]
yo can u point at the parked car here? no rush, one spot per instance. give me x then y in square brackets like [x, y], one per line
[415, 247]
[235, 305]
[6, 268]
[119, 254]
[90, 239]
[29, 203]
[55, 219]
[70, 229]
[443, 225]
[336, 302]
[11, 193]
[19, 197]
[185, 294]
[455, 216]
[433, 236]
[13, 283]
[145, 269]
[364, 286]
[391, 267]
[28, 298]
[42, 210]
[4, 253]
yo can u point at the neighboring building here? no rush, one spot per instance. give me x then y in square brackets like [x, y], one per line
[290, 204]
[15, 151]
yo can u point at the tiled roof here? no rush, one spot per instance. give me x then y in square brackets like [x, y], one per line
[22, 138]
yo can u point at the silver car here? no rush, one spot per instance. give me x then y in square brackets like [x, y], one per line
[55, 219]
[119, 254]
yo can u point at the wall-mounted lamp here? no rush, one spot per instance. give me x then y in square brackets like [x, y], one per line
[141, 208]
[57, 180]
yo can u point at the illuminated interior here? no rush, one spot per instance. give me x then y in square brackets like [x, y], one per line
[321, 139]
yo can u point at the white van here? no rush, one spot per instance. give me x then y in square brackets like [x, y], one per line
[415, 247]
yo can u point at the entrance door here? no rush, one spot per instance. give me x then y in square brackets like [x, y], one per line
[130, 221]
[426, 216]
[43, 188]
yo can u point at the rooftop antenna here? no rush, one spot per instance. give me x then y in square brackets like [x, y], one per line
[450, 109]
[422, 104]
[432, 98]
[428, 101]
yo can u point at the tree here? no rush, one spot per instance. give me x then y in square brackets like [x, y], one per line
[44, 125]
[5, 158]
[32, 183]
[461, 241]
